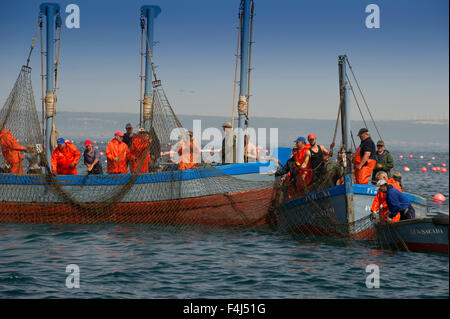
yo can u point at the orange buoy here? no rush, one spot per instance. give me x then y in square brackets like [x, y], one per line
[429, 164]
[433, 158]
[424, 169]
[443, 170]
[406, 169]
[421, 156]
[101, 153]
[401, 156]
[95, 142]
[438, 168]
[410, 156]
[443, 164]
[439, 198]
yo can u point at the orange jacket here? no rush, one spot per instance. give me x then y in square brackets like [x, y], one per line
[116, 149]
[188, 155]
[380, 199]
[12, 151]
[299, 159]
[61, 159]
[139, 148]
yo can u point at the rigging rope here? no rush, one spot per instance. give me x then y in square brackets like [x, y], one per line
[236, 69]
[362, 95]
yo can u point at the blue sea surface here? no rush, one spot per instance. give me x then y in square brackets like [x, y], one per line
[145, 261]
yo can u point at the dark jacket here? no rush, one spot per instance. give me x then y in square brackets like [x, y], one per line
[288, 168]
[396, 201]
[386, 160]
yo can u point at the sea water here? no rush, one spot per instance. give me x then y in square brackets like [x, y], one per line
[145, 261]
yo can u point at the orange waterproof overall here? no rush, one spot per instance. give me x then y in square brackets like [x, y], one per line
[139, 151]
[188, 155]
[363, 175]
[12, 152]
[116, 149]
[303, 176]
[380, 199]
[61, 160]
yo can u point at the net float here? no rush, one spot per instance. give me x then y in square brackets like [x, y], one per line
[406, 169]
[439, 198]
[424, 169]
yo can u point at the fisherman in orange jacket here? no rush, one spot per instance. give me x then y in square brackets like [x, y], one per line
[116, 154]
[367, 151]
[12, 152]
[379, 202]
[140, 151]
[189, 153]
[303, 176]
[65, 158]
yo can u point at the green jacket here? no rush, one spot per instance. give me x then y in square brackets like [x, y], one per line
[386, 160]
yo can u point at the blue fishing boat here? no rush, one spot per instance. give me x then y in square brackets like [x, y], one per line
[337, 210]
[428, 234]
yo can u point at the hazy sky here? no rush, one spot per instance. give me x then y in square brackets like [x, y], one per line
[402, 67]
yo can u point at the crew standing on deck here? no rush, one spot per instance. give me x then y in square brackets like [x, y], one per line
[12, 152]
[189, 152]
[139, 156]
[363, 170]
[385, 161]
[128, 135]
[92, 159]
[228, 144]
[116, 155]
[304, 168]
[65, 158]
[315, 155]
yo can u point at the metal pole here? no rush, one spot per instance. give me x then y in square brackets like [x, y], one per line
[148, 13]
[243, 90]
[50, 10]
[344, 89]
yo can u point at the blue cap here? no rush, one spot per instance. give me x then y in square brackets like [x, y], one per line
[300, 139]
[60, 141]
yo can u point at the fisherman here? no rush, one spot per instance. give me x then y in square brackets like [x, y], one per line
[251, 153]
[379, 202]
[228, 144]
[116, 154]
[189, 152]
[288, 169]
[396, 202]
[128, 135]
[34, 159]
[12, 152]
[139, 156]
[385, 161]
[398, 178]
[65, 158]
[315, 155]
[303, 174]
[329, 165]
[92, 159]
[363, 170]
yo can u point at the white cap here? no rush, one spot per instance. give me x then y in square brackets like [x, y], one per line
[380, 183]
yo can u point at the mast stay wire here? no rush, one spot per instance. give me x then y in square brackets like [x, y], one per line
[362, 95]
[249, 63]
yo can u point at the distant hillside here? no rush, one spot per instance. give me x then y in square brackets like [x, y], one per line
[399, 135]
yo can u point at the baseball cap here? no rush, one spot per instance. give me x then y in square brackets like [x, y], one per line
[300, 139]
[141, 130]
[362, 131]
[60, 141]
[380, 143]
[310, 136]
[128, 126]
[87, 142]
[118, 133]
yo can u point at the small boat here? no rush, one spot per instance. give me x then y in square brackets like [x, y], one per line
[428, 234]
[327, 209]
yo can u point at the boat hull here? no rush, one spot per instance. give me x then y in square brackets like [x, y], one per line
[429, 234]
[326, 212]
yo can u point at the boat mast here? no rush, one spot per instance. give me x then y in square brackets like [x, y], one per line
[243, 84]
[148, 13]
[344, 89]
[53, 21]
[346, 150]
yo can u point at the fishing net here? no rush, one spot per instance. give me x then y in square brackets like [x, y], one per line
[201, 196]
